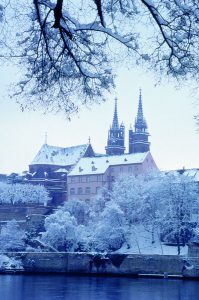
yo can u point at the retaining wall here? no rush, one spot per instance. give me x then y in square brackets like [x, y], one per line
[91, 263]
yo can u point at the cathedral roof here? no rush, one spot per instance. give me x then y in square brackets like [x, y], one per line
[59, 156]
[99, 165]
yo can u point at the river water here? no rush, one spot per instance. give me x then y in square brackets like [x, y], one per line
[61, 287]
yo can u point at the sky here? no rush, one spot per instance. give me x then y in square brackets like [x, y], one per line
[168, 111]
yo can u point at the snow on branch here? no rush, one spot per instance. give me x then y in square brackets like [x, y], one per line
[67, 49]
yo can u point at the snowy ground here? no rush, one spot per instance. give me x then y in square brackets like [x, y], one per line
[141, 244]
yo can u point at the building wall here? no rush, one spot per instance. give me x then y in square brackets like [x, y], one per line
[90, 184]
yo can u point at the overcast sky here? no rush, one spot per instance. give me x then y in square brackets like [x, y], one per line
[168, 112]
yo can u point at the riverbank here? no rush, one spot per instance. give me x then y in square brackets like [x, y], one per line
[105, 264]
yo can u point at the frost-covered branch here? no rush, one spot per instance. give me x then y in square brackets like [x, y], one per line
[66, 49]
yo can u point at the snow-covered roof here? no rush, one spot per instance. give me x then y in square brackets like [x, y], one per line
[99, 165]
[52, 155]
[61, 170]
[194, 173]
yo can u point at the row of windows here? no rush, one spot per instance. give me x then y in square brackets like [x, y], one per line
[99, 177]
[86, 178]
[124, 169]
[80, 190]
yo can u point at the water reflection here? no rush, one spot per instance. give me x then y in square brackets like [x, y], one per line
[43, 287]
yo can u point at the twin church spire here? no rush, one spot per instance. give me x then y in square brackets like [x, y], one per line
[115, 124]
[115, 143]
[138, 139]
[140, 123]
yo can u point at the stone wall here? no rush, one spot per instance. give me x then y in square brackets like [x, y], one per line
[30, 218]
[193, 250]
[90, 263]
[19, 212]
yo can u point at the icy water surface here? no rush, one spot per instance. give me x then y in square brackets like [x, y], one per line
[60, 287]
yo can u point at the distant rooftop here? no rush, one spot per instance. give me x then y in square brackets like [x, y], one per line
[194, 173]
[98, 165]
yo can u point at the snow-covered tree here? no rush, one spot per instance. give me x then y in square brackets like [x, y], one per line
[162, 203]
[68, 48]
[12, 237]
[150, 205]
[159, 203]
[23, 194]
[98, 205]
[79, 210]
[179, 197]
[60, 231]
[109, 231]
[128, 192]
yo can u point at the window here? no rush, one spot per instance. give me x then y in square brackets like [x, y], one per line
[130, 169]
[97, 189]
[80, 191]
[72, 191]
[87, 178]
[72, 179]
[112, 178]
[79, 178]
[121, 169]
[87, 190]
[87, 200]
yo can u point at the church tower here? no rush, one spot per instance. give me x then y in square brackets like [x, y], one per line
[115, 143]
[138, 139]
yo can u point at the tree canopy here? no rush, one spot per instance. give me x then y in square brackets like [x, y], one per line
[159, 207]
[67, 49]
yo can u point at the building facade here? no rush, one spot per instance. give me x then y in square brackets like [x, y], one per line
[92, 174]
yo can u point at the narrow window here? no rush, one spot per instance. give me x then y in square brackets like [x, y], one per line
[87, 190]
[80, 191]
[72, 191]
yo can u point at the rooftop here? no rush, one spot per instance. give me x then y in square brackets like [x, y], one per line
[52, 155]
[98, 165]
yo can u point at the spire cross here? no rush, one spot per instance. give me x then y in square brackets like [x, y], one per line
[89, 139]
[46, 137]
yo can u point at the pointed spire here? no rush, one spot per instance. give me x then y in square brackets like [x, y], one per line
[140, 109]
[140, 122]
[115, 124]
